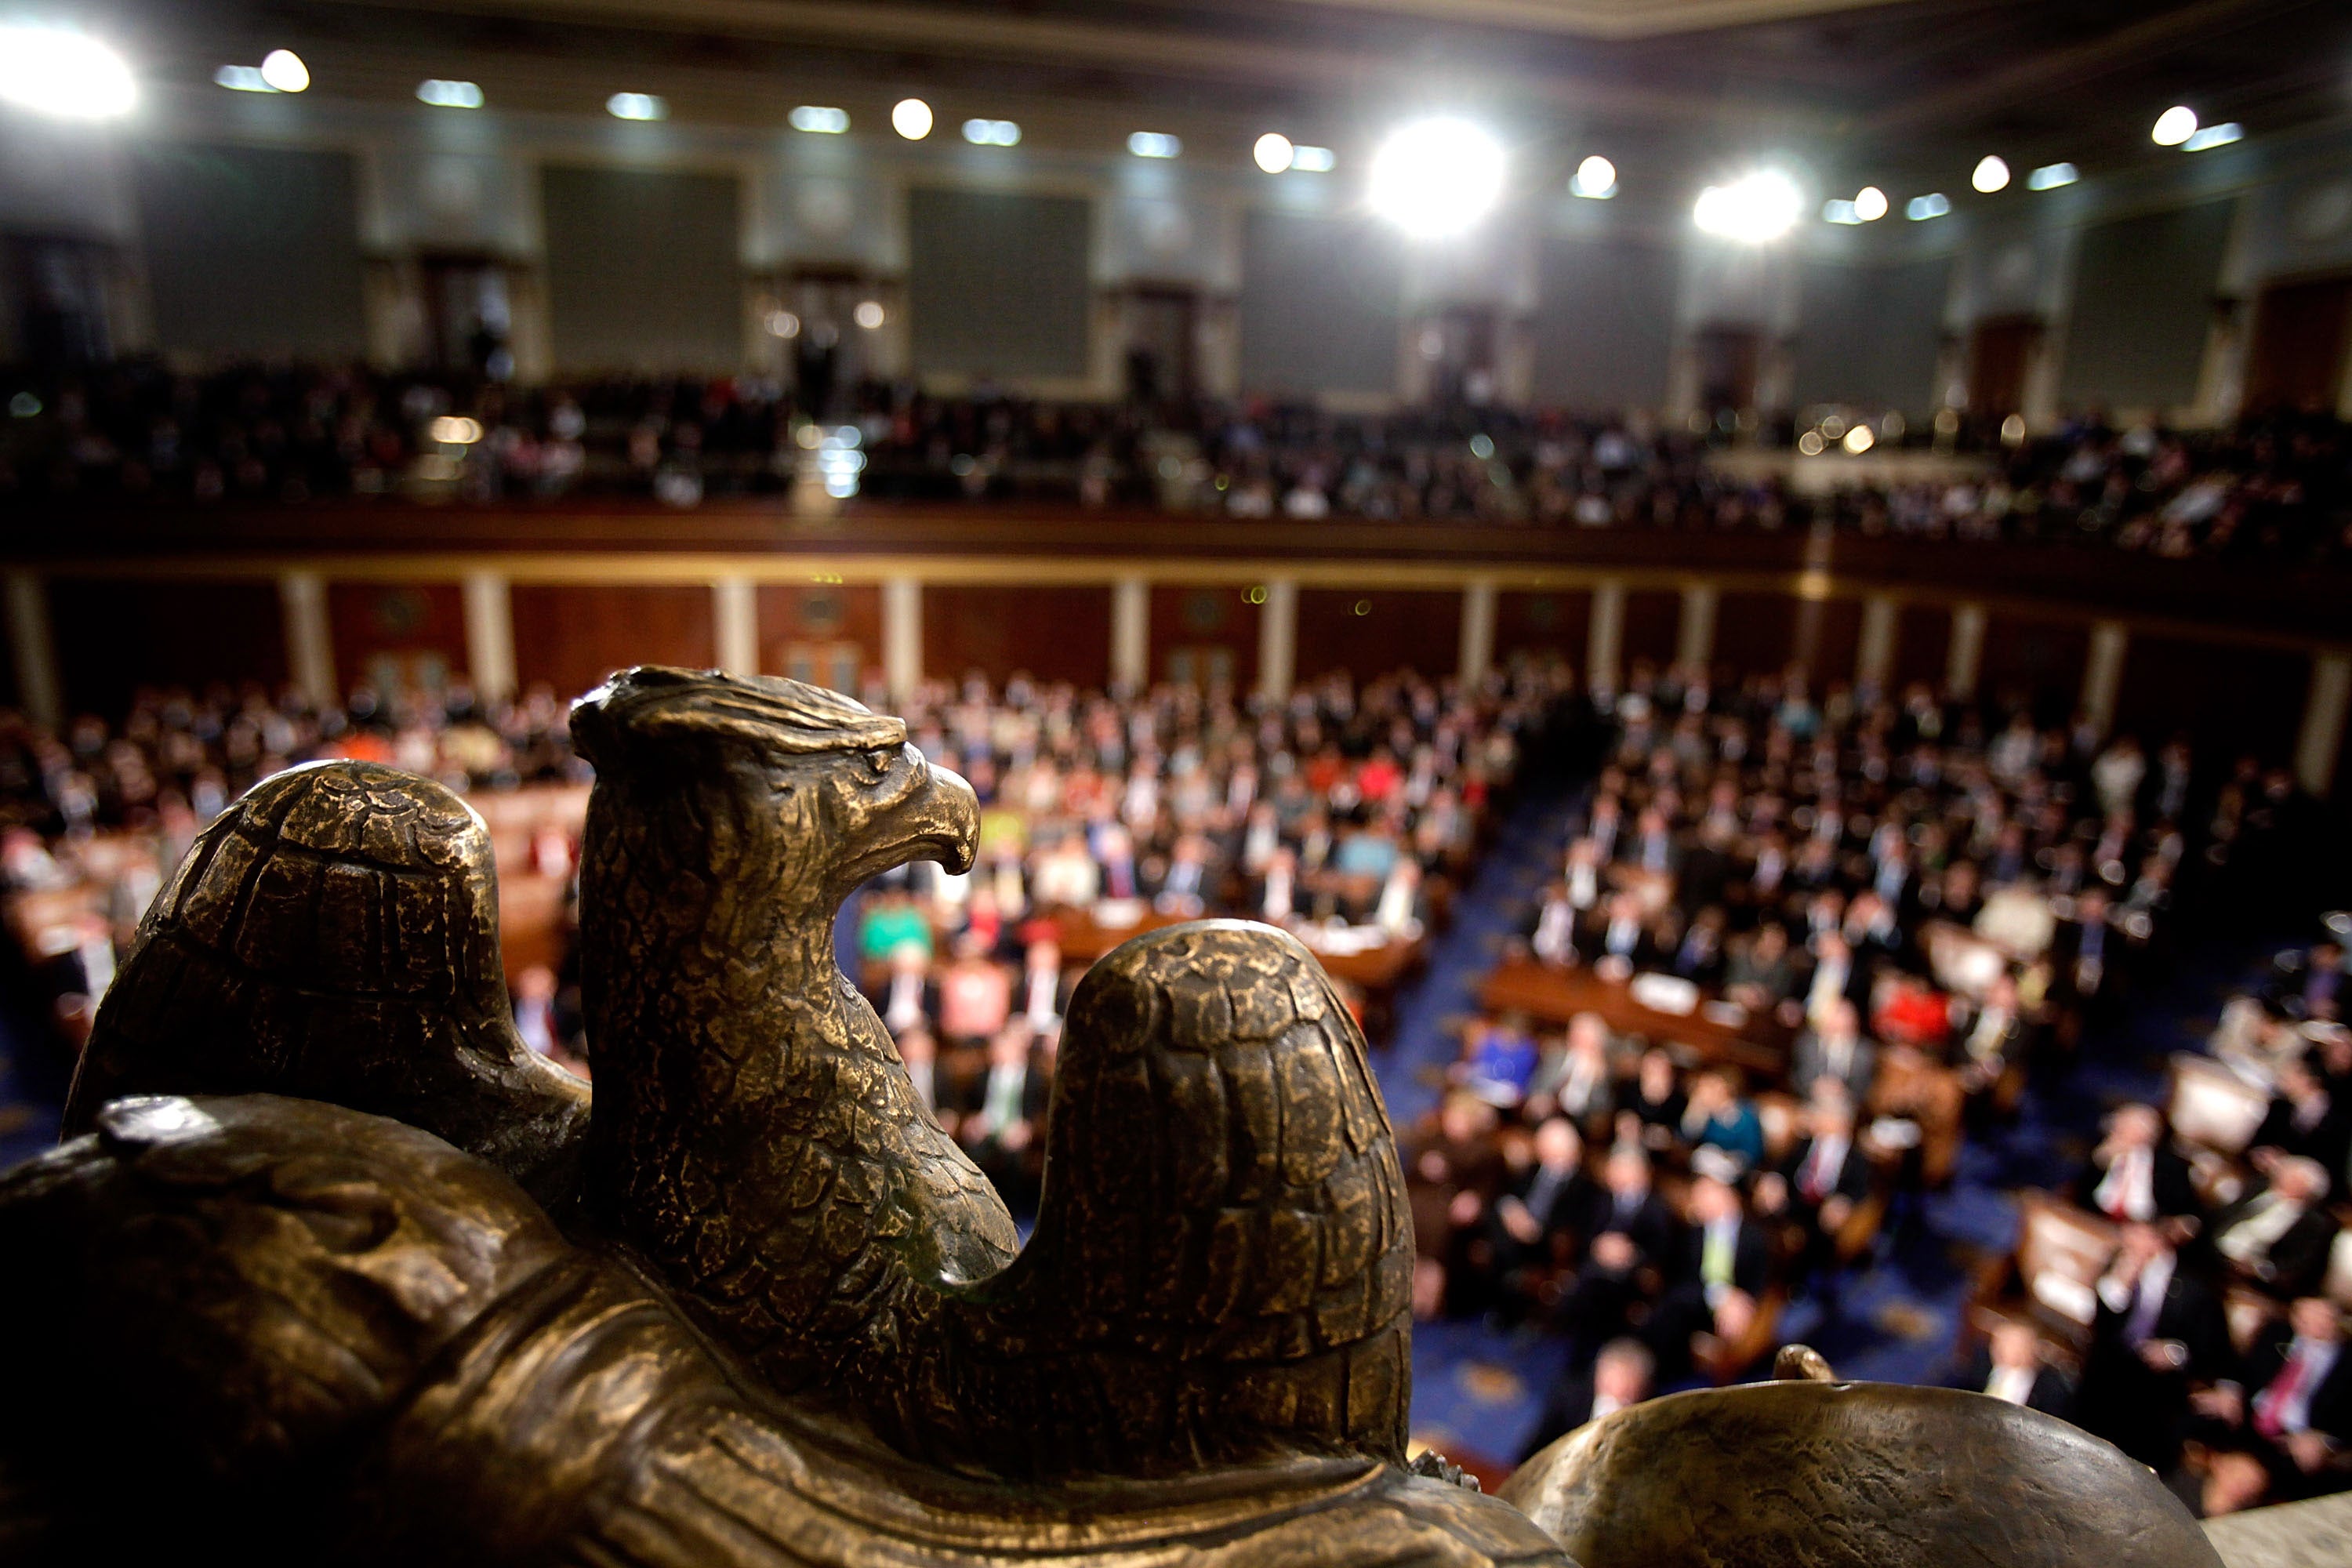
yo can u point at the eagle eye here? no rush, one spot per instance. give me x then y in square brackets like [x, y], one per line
[877, 761]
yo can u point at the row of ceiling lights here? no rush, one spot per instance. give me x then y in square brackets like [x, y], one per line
[1433, 177]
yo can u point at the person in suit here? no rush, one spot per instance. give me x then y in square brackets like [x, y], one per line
[1834, 1049]
[1044, 995]
[1822, 1181]
[2136, 1173]
[2304, 1118]
[2157, 1334]
[2010, 1365]
[1535, 1217]
[1650, 1112]
[1616, 932]
[906, 999]
[1623, 1374]
[2280, 1233]
[2293, 1408]
[1839, 976]
[1630, 1237]
[1004, 1125]
[1721, 1267]
[1577, 1081]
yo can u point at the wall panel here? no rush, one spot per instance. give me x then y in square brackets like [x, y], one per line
[1321, 305]
[1755, 634]
[2231, 701]
[2144, 290]
[1923, 646]
[996, 283]
[644, 270]
[396, 634]
[571, 637]
[1202, 630]
[821, 633]
[1543, 624]
[252, 252]
[1829, 639]
[1060, 633]
[115, 637]
[1604, 323]
[1398, 629]
[1654, 619]
[1869, 335]
[2037, 663]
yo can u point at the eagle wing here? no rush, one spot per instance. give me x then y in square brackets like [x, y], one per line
[334, 936]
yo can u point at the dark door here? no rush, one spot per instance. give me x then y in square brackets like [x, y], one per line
[2000, 355]
[2300, 335]
[1464, 337]
[1161, 324]
[61, 289]
[1728, 361]
[467, 316]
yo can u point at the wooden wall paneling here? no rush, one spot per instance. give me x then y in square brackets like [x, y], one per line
[1755, 634]
[1654, 618]
[1923, 642]
[114, 636]
[823, 633]
[1196, 627]
[390, 635]
[1419, 630]
[1829, 639]
[2035, 662]
[570, 636]
[1544, 622]
[1052, 633]
[2231, 701]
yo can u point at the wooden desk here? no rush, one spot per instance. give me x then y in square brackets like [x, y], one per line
[1759, 1046]
[1376, 970]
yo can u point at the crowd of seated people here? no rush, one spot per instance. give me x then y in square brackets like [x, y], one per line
[2207, 1345]
[1920, 908]
[2276, 487]
[1337, 814]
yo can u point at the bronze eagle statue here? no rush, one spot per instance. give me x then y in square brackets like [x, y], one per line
[331, 1267]
[334, 1231]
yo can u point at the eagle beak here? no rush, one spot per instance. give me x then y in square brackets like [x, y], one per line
[941, 822]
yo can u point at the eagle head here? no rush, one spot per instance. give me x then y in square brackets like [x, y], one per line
[828, 771]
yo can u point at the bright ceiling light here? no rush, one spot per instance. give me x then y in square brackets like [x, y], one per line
[1437, 176]
[1753, 209]
[1272, 151]
[2174, 126]
[819, 119]
[911, 118]
[869, 315]
[443, 94]
[1935, 203]
[1313, 160]
[1154, 144]
[242, 78]
[456, 430]
[284, 71]
[1991, 175]
[635, 106]
[67, 75]
[1837, 209]
[992, 132]
[2214, 136]
[1870, 203]
[1595, 179]
[2049, 176]
[1860, 439]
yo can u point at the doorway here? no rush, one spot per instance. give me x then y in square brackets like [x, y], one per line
[1162, 322]
[1459, 342]
[2301, 332]
[60, 287]
[1728, 361]
[2001, 358]
[467, 315]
